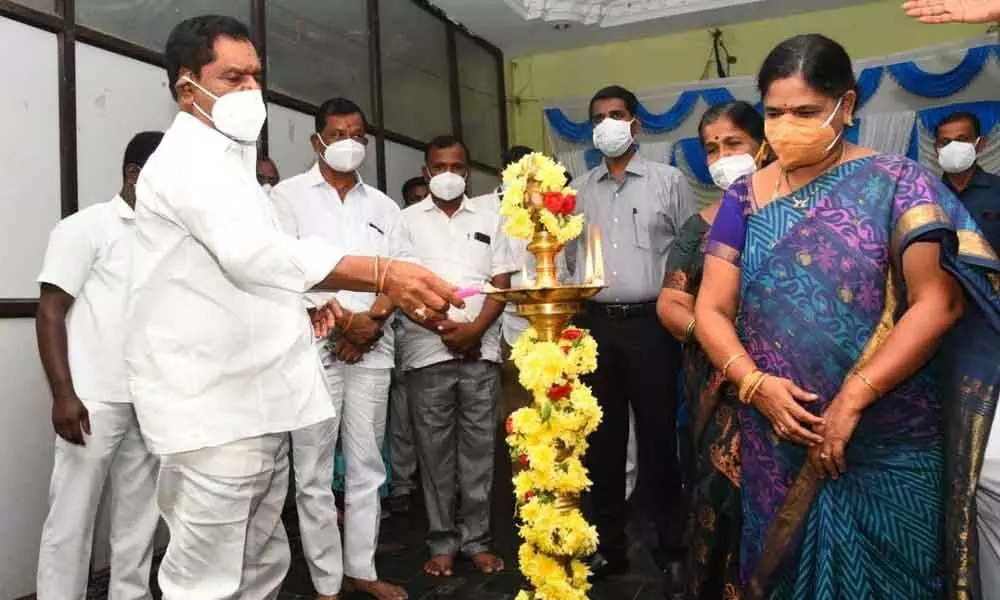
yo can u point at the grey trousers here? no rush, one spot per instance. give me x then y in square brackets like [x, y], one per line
[454, 407]
[402, 450]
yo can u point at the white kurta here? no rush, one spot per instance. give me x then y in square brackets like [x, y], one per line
[220, 359]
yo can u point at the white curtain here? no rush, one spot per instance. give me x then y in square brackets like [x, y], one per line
[888, 133]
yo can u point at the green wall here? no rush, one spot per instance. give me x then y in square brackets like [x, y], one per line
[867, 30]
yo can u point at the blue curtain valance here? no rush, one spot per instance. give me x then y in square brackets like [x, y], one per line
[909, 75]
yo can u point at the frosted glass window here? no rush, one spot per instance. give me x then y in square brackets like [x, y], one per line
[401, 163]
[48, 6]
[482, 182]
[29, 154]
[317, 50]
[479, 94]
[109, 87]
[148, 22]
[415, 80]
[288, 144]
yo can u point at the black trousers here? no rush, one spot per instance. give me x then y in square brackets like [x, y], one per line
[638, 365]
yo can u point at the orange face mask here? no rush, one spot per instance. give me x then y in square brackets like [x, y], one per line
[799, 142]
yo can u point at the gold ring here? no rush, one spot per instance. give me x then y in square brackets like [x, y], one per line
[421, 312]
[824, 455]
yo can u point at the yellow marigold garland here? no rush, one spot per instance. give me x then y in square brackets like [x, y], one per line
[538, 176]
[548, 441]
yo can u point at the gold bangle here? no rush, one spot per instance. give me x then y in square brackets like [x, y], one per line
[729, 363]
[866, 381]
[689, 331]
[375, 278]
[749, 382]
[756, 388]
[381, 282]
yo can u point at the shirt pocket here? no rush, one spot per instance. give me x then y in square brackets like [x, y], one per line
[479, 253]
[642, 229]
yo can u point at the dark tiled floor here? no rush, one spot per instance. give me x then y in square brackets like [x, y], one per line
[401, 556]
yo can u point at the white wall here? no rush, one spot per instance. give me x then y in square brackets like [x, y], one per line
[109, 88]
[29, 162]
[29, 153]
[26, 455]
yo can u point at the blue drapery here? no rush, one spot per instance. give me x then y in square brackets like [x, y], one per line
[580, 131]
[909, 75]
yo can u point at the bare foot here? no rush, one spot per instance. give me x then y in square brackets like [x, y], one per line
[440, 566]
[487, 563]
[382, 590]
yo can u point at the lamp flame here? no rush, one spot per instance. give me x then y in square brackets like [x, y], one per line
[526, 280]
[594, 266]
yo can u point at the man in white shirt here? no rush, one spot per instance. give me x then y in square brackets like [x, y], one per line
[330, 201]
[453, 372]
[219, 351]
[81, 336]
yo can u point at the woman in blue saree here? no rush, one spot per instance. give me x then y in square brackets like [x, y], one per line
[862, 424]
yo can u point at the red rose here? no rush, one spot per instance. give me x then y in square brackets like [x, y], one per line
[523, 460]
[510, 425]
[558, 392]
[569, 203]
[553, 201]
[571, 334]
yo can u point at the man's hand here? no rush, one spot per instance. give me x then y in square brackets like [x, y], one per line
[461, 338]
[325, 318]
[421, 294]
[70, 419]
[347, 352]
[953, 11]
[364, 331]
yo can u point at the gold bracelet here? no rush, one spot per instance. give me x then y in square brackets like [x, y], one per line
[749, 382]
[375, 278]
[689, 331]
[866, 381]
[729, 363]
[756, 388]
[381, 282]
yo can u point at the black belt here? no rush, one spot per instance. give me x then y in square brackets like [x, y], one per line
[621, 311]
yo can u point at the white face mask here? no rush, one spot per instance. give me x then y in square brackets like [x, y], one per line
[613, 137]
[343, 156]
[447, 186]
[728, 169]
[957, 157]
[237, 115]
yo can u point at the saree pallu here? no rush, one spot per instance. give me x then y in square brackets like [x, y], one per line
[820, 291]
[713, 524]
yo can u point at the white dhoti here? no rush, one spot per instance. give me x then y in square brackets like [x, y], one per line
[360, 397]
[223, 508]
[115, 453]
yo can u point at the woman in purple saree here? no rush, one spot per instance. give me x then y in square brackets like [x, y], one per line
[863, 424]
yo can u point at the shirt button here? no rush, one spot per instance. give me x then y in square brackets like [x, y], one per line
[615, 273]
[616, 220]
[614, 246]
